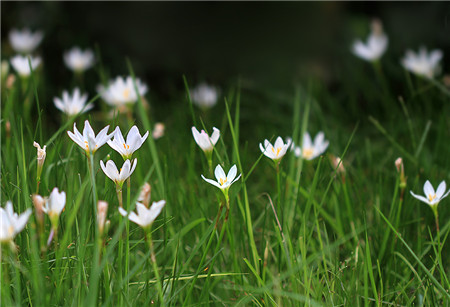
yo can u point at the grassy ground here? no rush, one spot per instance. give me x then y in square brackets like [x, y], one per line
[309, 235]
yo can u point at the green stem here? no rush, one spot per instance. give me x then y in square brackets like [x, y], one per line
[127, 237]
[155, 267]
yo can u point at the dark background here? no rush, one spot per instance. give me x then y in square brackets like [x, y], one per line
[272, 44]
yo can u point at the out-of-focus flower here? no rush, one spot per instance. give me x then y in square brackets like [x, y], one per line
[375, 46]
[88, 141]
[113, 173]
[144, 195]
[223, 181]
[158, 131]
[102, 209]
[22, 66]
[11, 223]
[133, 143]
[309, 149]
[10, 81]
[432, 197]
[204, 95]
[25, 41]
[145, 216]
[41, 154]
[73, 104]
[78, 60]
[423, 63]
[39, 202]
[203, 140]
[120, 91]
[277, 151]
[338, 164]
[54, 205]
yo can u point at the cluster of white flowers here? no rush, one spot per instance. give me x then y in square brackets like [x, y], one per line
[422, 63]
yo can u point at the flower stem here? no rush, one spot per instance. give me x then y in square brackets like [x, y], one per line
[155, 267]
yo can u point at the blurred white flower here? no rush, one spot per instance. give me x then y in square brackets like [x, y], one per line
[277, 151]
[133, 143]
[158, 131]
[11, 223]
[25, 41]
[423, 63]
[375, 46]
[113, 173]
[223, 181]
[309, 149]
[78, 60]
[432, 197]
[120, 91]
[73, 104]
[21, 65]
[54, 205]
[203, 140]
[204, 95]
[88, 141]
[145, 216]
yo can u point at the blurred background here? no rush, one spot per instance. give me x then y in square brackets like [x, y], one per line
[268, 48]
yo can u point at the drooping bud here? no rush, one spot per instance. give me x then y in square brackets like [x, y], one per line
[102, 209]
[144, 196]
[338, 164]
[39, 202]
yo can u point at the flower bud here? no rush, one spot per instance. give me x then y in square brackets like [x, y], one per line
[338, 164]
[8, 129]
[38, 202]
[10, 81]
[102, 209]
[401, 171]
[377, 27]
[158, 131]
[144, 196]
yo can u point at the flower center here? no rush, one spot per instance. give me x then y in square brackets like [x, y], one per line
[308, 152]
[126, 146]
[126, 93]
[431, 197]
[277, 151]
[222, 181]
[11, 230]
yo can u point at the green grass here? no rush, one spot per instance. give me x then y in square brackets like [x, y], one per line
[300, 235]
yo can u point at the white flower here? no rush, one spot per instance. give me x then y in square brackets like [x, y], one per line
[88, 141]
[133, 143]
[25, 41]
[21, 65]
[72, 105]
[223, 181]
[144, 217]
[11, 223]
[113, 173]
[423, 63]
[277, 151]
[121, 91]
[55, 204]
[375, 46]
[203, 140]
[432, 198]
[78, 60]
[309, 149]
[204, 95]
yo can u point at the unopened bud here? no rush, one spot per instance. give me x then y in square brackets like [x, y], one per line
[144, 196]
[102, 209]
[158, 131]
[401, 171]
[8, 129]
[39, 202]
[338, 164]
[377, 27]
[10, 81]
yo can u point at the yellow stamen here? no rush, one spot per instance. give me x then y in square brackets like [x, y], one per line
[87, 145]
[278, 151]
[126, 146]
[11, 229]
[308, 152]
[222, 181]
[126, 93]
[431, 197]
